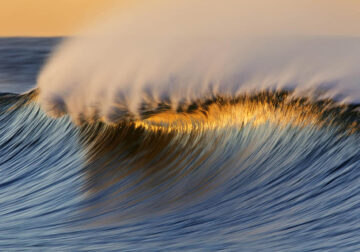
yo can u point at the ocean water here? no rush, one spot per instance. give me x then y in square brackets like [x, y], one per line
[266, 171]
[21, 60]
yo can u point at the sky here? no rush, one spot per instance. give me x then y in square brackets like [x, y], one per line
[49, 17]
[66, 17]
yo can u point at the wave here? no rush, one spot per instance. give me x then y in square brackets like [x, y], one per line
[268, 161]
[279, 108]
[190, 133]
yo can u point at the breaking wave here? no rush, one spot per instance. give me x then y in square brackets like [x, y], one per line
[190, 125]
[261, 171]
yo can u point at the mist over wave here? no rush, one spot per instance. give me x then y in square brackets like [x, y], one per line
[178, 52]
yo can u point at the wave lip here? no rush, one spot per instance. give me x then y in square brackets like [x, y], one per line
[282, 108]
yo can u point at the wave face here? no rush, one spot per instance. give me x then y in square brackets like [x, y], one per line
[262, 172]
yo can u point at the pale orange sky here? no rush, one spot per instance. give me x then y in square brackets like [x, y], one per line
[66, 17]
[49, 17]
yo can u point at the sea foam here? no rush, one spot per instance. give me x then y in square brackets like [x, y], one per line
[182, 51]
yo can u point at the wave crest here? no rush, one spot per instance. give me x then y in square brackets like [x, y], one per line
[184, 55]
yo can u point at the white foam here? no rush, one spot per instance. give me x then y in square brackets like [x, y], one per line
[181, 49]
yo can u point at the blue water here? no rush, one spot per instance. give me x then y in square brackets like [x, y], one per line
[21, 60]
[65, 187]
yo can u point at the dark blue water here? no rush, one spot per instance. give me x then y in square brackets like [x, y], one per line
[21, 60]
[266, 187]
